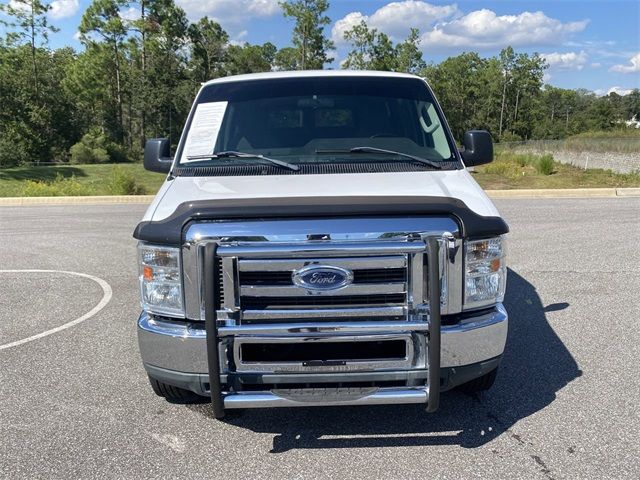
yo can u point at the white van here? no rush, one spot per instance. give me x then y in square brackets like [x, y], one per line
[319, 241]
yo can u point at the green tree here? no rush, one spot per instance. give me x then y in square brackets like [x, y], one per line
[308, 34]
[208, 48]
[102, 18]
[29, 23]
[408, 54]
[507, 59]
[34, 129]
[632, 105]
[170, 85]
[527, 81]
[370, 49]
[287, 59]
[250, 58]
[362, 40]
[89, 87]
[374, 50]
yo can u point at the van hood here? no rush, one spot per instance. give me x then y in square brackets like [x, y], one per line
[456, 184]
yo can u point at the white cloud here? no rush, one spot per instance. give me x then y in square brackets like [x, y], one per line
[63, 8]
[229, 11]
[445, 27]
[76, 36]
[566, 60]
[596, 65]
[17, 5]
[483, 29]
[130, 14]
[631, 67]
[344, 24]
[620, 91]
[396, 18]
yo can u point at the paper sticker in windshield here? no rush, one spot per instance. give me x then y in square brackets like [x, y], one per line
[204, 129]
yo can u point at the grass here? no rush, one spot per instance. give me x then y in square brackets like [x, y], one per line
[78, 180]
[511, 170]
[618, 141]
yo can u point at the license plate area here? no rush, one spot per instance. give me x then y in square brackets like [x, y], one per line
[324, 354]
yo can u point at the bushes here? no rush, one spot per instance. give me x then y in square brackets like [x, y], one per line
[117, 153]
[119, 182]
[545, 165]
[94, 147]
[506, 169]
[122, 182]
[509, 164]
[15, 145]
[90, 149]
[510, 137]
[57, 188]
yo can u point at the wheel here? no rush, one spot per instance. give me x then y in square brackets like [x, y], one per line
[173, 394]
[480, 384]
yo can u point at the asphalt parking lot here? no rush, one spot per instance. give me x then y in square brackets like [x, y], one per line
[76, 403]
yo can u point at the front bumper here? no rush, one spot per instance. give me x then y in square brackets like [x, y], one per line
[176, 353]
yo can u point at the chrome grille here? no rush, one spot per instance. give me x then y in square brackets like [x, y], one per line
[377, 275]
[220, 280]
[256, 258]
[265, 291]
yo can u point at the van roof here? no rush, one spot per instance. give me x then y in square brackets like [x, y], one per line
[307, 74]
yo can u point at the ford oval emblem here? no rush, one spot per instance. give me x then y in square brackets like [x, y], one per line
[322, 277]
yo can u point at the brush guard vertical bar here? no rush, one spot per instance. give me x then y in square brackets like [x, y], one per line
[434, 296]
[211, 298]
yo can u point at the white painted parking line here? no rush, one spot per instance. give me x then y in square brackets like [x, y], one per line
[106, 297]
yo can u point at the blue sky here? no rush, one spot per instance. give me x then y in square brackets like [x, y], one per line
[588, 44]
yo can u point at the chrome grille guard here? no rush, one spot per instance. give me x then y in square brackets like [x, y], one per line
[427, 246]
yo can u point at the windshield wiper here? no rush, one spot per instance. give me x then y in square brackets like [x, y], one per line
[381, 151]
[234, 154]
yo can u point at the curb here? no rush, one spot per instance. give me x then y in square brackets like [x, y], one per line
[566, 193]
[554, 193]
[88, 200]
[496, 194]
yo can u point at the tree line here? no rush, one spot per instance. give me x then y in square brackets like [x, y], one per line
[136, 79]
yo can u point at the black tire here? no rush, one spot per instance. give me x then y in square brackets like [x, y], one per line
[480, 384]
[173, 394]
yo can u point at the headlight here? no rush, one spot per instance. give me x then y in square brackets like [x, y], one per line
[160, 282]
[485, 272]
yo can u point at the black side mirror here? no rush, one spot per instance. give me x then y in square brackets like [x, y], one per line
[478, 148]
[156, 155]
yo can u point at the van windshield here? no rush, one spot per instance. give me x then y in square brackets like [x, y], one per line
[316, 119]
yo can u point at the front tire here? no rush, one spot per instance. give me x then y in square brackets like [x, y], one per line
[480, 384]
[173, 394]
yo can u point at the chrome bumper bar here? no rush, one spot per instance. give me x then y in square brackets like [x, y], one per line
[180, 346]
[380, 397]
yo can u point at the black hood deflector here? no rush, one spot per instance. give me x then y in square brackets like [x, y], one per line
[169, 231]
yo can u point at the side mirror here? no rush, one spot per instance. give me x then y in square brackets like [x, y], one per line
[156, 155]
[478, 148]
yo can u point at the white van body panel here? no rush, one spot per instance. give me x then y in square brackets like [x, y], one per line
[457, 184]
